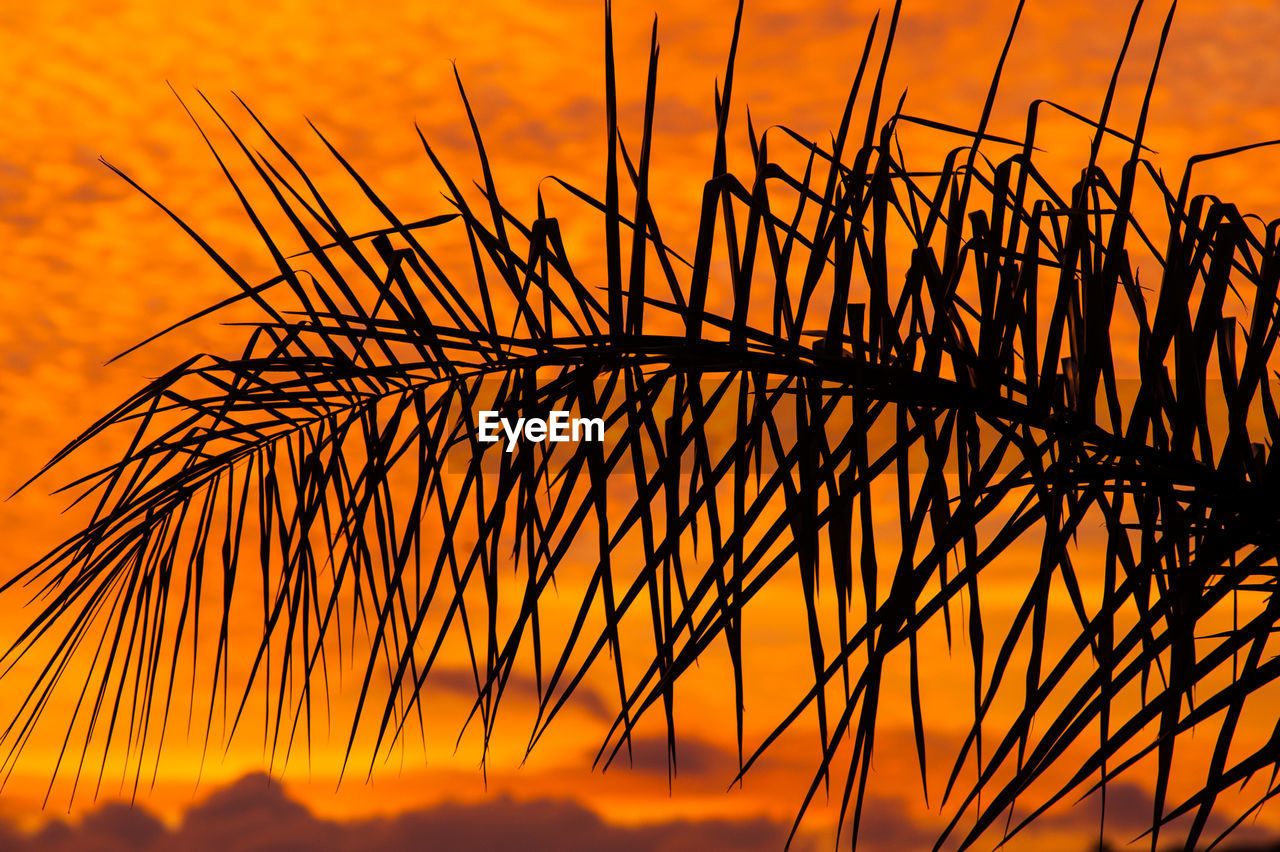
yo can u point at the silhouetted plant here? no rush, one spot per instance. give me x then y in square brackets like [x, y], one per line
[338, 451]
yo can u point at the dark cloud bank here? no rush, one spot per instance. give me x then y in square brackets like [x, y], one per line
[255, 815]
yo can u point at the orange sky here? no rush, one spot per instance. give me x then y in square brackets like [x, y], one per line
[90, 268]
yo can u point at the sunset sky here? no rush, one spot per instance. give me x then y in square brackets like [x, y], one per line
[90, 268]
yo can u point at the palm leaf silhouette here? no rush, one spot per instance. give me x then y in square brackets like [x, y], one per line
[338, 450]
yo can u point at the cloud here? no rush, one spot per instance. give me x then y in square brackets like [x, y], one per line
[693, 757]
[887, 825]
[255, 815]
[463, 682]
[1128, 817]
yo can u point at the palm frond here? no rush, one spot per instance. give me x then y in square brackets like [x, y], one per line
[929, 350]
